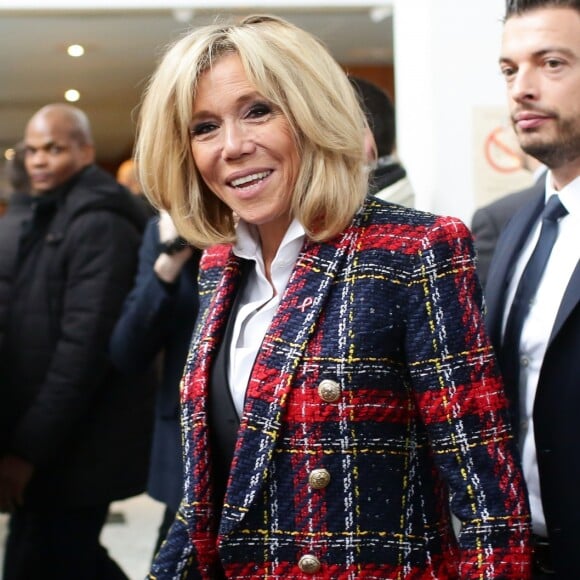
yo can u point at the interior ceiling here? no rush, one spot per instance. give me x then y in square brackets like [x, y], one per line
[122, 48]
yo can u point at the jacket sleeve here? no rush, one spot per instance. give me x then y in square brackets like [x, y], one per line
[144, 322]
[100, 258]
[460, 396]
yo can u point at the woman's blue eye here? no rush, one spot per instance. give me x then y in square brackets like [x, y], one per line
[201, 129]
[259, 110]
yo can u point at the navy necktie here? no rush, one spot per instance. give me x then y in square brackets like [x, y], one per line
[527, 288]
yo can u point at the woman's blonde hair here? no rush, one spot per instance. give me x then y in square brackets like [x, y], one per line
[296, 73]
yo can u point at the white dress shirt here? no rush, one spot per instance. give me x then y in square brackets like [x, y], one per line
[538, 326]
[259, 301]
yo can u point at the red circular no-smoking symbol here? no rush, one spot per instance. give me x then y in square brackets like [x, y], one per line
[501, 152]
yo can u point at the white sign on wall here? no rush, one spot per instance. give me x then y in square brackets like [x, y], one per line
[498, 160]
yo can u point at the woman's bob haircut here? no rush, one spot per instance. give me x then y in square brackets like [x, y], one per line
[295, 72]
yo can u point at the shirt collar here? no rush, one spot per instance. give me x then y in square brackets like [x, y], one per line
[569, 195]
[247, 244]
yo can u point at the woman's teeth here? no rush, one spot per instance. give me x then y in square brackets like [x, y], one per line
[250, 178]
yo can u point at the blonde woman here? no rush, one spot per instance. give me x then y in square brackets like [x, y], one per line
[340, 382]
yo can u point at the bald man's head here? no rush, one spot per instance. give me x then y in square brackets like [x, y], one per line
[59, 144]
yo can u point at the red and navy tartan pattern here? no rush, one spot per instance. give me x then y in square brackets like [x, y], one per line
[392, 311]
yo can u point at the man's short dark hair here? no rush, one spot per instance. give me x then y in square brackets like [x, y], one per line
[380, 114]
[515, 7]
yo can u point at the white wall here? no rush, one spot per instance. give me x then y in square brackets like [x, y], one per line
[446, 54]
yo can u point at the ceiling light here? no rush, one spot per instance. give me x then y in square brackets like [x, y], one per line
[183, 14]
[72, 95]
[75, 50]
[9, 154]
[380, 13]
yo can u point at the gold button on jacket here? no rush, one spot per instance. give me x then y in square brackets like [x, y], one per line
[329, 391]
[309, 564]
[319, 478]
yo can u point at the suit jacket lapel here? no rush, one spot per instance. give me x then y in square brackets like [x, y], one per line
[275, 367]
[504, 259]
[569, 302]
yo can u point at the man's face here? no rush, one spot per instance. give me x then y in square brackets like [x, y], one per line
[540, 60]
[52, 155]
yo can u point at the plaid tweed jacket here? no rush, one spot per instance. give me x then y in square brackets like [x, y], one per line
[411, 417]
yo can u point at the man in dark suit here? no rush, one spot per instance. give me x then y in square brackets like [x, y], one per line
[533, 307]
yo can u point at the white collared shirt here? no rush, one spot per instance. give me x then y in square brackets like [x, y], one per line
[538, 326]
[259, 301]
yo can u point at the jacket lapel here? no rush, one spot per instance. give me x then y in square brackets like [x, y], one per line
[216, 298]
[504, 259]
[569, 302]
[275, 367]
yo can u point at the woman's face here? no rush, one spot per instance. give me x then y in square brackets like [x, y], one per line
[243, 147]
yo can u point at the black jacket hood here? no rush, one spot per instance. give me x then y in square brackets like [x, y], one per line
[385, 175]
[94, 189]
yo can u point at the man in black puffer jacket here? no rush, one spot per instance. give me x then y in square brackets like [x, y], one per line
[74, 433]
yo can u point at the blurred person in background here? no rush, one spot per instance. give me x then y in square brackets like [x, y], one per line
[16, 173]
[156, 323]
[18, 183]
[75, 433]
[18, 194]
[128, 175]
[388, 179]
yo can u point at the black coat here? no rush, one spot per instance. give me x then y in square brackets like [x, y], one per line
[85, 427]
[19, 210]
[556, 424]
[159, 317]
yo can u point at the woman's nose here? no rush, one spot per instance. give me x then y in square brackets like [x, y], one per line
[237, 140]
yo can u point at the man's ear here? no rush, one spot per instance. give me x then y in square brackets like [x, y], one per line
[89, 154]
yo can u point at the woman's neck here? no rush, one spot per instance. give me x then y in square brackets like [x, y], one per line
[271, 236]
